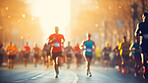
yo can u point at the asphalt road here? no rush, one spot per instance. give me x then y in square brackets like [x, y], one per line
[20, 74]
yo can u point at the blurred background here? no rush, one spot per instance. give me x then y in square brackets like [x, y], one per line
[34, 20]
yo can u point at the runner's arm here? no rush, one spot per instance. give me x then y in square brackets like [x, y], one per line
[51, 39]
[82, 45]
[63, 41]
[137, 31]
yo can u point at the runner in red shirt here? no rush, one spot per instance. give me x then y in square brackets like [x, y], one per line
[56, 41]
[68, 52]
[77, 53]
[26, 53]
[36, 51]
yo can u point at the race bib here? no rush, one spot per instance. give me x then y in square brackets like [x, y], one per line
[89, 50]
[107, 52]
[10, 51]
[145, 36]
[36, 52]
[76, 52]
[26, 52]
[69, 52]
[125, 49]
[56, 44]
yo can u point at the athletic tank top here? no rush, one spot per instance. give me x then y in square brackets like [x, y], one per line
[88, 48]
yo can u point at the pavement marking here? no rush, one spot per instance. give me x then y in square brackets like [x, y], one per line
[76, 78]
[20, 80]
[38, 75]
[31, 78]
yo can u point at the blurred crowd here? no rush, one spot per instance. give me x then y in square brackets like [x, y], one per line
[125, 56]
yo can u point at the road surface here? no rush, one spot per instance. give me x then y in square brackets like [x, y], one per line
[20, 74]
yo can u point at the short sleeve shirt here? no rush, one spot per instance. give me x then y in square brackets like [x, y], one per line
[56, 44]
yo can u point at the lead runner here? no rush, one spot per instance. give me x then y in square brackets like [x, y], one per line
[56, 41]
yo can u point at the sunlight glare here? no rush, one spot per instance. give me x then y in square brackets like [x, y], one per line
[51, 13]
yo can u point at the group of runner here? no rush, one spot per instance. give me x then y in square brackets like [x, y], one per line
[53, 51]
[12, 51]
[125, 52]
[57, 40]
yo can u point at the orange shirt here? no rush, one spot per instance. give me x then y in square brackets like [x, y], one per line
[77, 50]
[10, 50]
[56, 44]
[15, 50]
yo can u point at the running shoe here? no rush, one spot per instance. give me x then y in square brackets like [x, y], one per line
[56, 76]
[90, 75]
[123, 70]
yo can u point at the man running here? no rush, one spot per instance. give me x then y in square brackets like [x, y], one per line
[89, 46]
[10, 54]
[117, 58]
[56, 40]
[124, 53]
[36, 50]
[77, 53]
[136, 55]
[106, 51]
[26, 54]
[142, 30]
[68, 51]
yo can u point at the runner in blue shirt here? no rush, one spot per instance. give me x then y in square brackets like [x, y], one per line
[136, 55]
[88, 46]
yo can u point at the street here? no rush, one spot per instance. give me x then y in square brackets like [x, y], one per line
[20, 74]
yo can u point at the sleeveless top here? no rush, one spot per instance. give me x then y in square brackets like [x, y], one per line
[88, 48]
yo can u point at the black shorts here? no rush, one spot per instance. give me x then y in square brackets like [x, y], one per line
[125, 57]
[55, 55]
[78, 56]
[69, 55]
[88, 57]
[26, 56]
[48, 53]
[106, 58]
[144, 50]
[11, 57]
[36, 56]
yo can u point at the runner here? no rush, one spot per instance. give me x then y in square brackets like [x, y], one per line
[68, 51]
[77, 53]
[142, 30]
[89, 46]
[106, 52]
[48, 57]
[36, 55]
[124, 53]
[10, 54]
[136, 55]
[117, 58]
[56, 49]
[26, 54]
